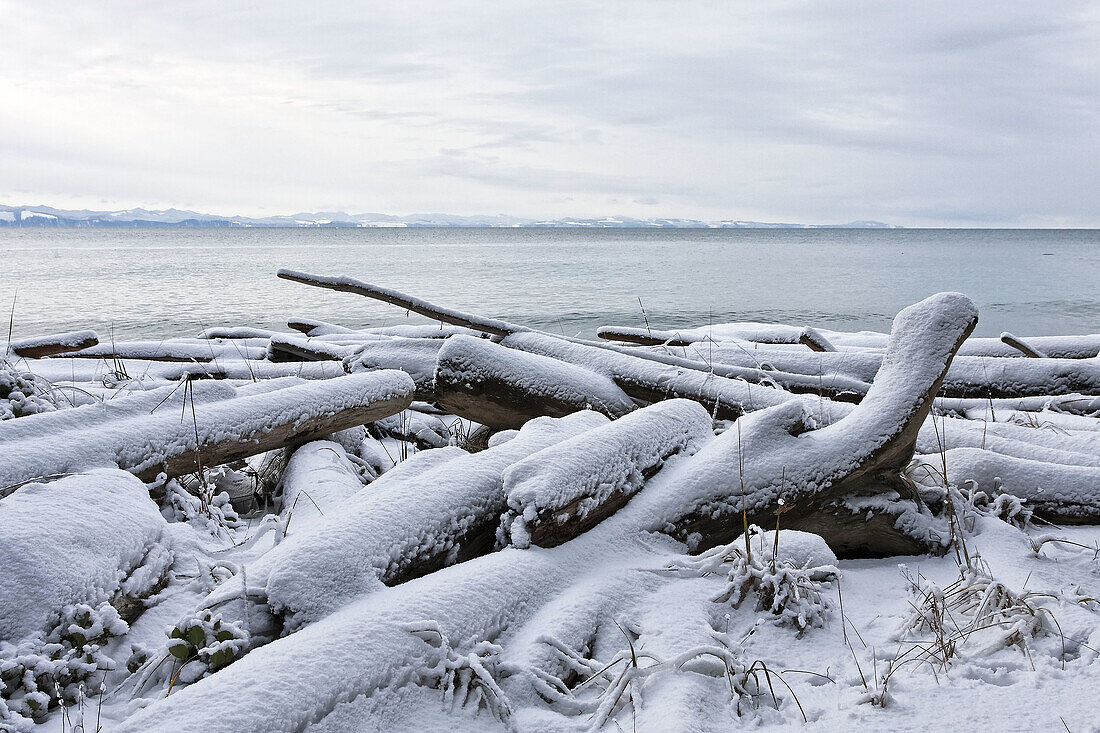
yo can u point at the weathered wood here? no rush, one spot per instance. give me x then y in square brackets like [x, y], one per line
[211, 434]
[394, 297]
[504, 388]
[774, 461]
[652, 380]
[982, 377]
[288, 348]
[59, 343]
[1021, 346]
[183, 350]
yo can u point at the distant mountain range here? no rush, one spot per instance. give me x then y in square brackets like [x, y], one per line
[46, 216]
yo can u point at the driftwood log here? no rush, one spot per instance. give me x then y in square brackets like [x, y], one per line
[209, 434]
[808, 475]
[59, 343]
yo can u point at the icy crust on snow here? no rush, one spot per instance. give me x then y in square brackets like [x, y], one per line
[75, 540]
[317, 479]
[142, 442]
[464, 359]
[415, 356]
[625, 369]
[777, 452]
[1066, 491]
[400, 522]
[567, 481]
[72, 339]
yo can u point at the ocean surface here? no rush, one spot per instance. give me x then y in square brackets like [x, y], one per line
[154, 283]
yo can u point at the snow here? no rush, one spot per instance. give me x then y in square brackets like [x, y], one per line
[628, 371]
[143, 442]
[383, 595]
[750, 333]
[404, 520]
[71, 338]
[568, 481]
[415, 356]
[102, 527]
[472, 361]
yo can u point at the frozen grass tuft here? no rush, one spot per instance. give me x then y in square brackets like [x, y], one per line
[790, 593]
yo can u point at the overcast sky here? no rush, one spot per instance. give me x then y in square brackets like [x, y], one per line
[914, 113]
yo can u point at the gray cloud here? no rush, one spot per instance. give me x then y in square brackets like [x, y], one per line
[932, 113]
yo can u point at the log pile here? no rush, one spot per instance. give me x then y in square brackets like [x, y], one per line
[481, 438]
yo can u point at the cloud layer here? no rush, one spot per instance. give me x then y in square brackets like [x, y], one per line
[933, 113]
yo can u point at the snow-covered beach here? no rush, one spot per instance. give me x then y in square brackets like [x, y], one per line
[465, 522]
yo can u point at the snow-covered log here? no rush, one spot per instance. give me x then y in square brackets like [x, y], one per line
[313, 327]
[647, 380]
[62, 369]
[202, 350]
[86, 538]
[57, 343]
[775, 461]
[1064, 347]
[985, 409]
[414, 356]
[147, 445]
[408, 302]
[318, 477]
[1022, 346]
[938, 435]
[562, 491]
[410, 522]
[1067, 494]
[837, 384]
[290, 348]
[969, 376]
[168, 400]
[504, 388]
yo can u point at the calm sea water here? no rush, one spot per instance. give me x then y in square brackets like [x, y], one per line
[152, 283]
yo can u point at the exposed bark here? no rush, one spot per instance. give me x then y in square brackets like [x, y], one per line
[394, 297]
[288, 348]
[1021, 346]
[504, 388]
[820, 470]
[42, 346]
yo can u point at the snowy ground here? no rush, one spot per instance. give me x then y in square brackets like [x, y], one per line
[415, 574]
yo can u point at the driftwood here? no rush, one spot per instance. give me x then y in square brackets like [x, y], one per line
[186, 350]
[415, 356]
[289, 348]
[968, 377]
[213, 434]
[648, 380]
[41, 346]
[776, 463]
[1063, 347]
[504, 388]
[1057, 492]
[1022, 346]
[393, 297]
[834, 386]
